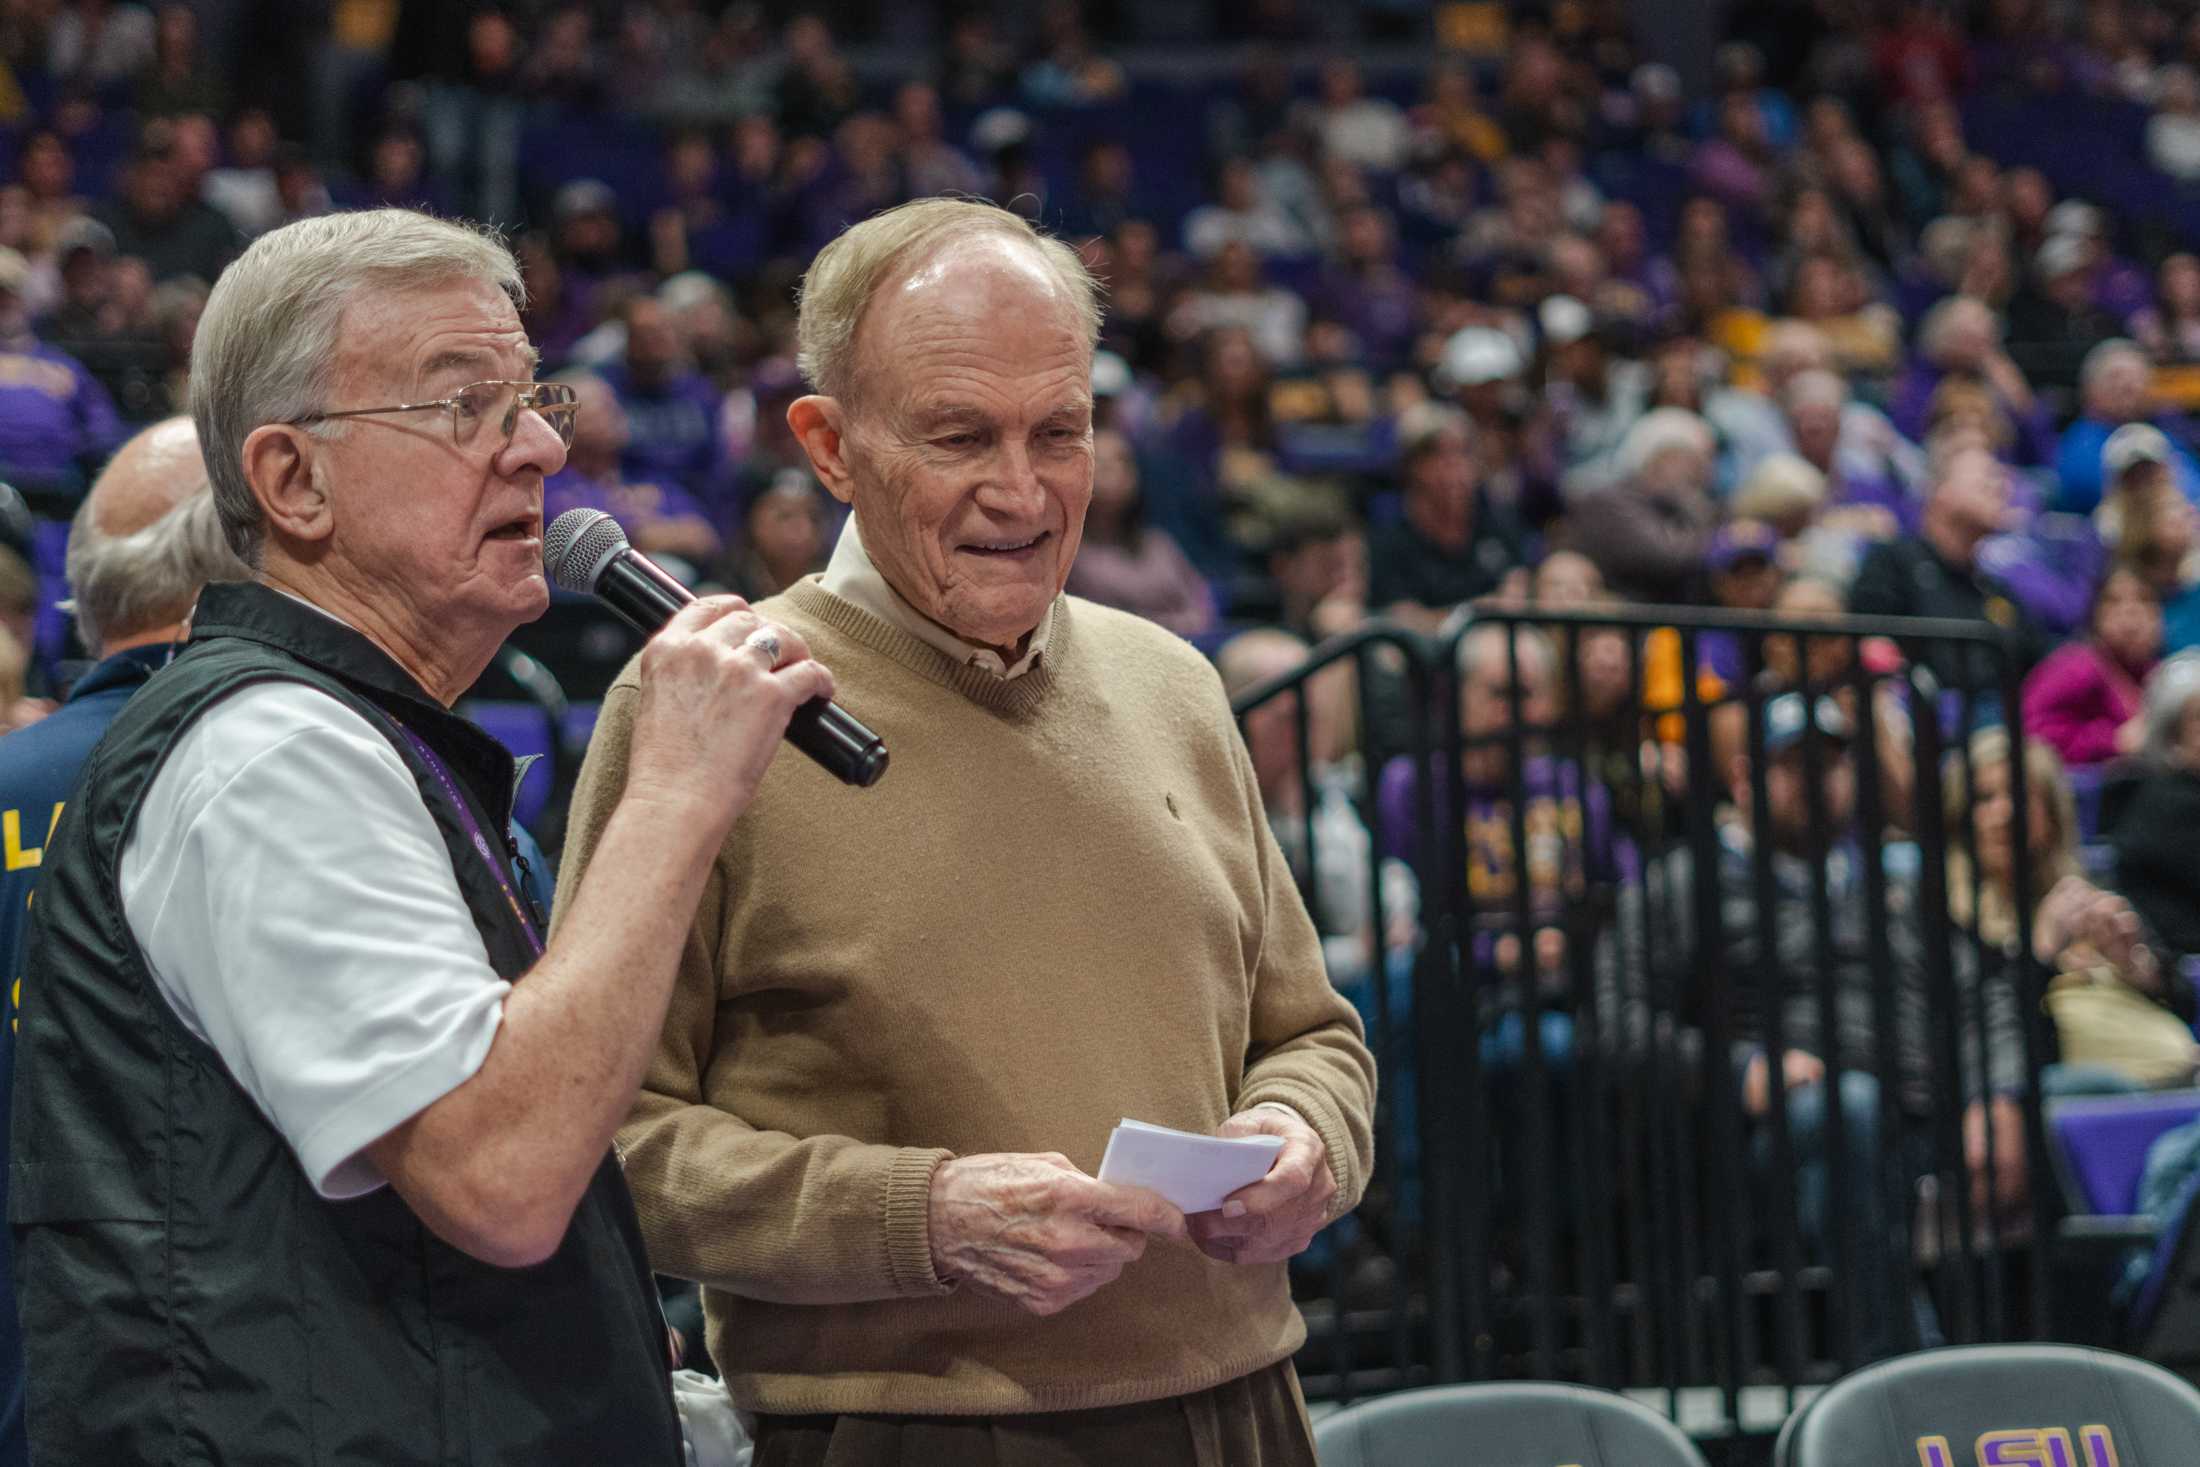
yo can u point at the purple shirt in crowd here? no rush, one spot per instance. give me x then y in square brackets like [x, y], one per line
[1152, 579]
[673, 438]
[631, 504]
[1571, 843]
[1910, 409]
[1382, 310]
[53, 416]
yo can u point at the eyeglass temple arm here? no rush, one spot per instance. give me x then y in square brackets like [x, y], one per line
[402, 407]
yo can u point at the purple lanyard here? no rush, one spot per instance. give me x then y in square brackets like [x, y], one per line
[496, 866]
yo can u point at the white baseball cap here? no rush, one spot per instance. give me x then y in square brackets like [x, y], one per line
[1564, 320]
[2134, 443]
[1475, 355]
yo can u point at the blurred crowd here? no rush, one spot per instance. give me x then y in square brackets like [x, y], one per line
[1525, 315]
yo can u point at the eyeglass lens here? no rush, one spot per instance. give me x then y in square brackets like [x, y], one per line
[501, 402]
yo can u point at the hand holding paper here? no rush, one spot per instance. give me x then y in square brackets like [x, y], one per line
[1194, 1172]
[1276, 1217]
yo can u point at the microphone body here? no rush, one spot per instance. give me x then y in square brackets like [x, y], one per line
[646, 597]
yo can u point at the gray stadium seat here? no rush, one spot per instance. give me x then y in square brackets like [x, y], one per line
[2000, 1403]
[1503, 1425]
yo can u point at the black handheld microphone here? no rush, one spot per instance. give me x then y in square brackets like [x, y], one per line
[586, 551]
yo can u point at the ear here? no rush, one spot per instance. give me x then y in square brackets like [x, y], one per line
[278, 464]
[818, 423]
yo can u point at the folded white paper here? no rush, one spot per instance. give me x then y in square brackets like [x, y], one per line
[1194, 1172]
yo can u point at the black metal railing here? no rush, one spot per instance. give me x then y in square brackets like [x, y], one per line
[1622, 897]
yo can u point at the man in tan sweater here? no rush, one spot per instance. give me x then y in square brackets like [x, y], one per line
[908, 1017]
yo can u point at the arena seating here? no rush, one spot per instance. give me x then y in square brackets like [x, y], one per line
[2046, 1404]
[1502, 1423]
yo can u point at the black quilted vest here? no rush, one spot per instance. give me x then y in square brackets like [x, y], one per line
[186, 1296]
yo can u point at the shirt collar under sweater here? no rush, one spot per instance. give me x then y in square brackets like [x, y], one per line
[852, 576]
[1017, 696]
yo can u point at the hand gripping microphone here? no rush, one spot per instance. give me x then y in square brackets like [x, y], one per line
[586, 551]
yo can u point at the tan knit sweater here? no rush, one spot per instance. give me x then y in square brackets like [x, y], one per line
[1062, 906]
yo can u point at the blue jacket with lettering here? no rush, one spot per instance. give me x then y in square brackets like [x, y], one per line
[38, 765]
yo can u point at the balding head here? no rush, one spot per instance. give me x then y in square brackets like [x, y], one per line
[1255, 656]
[899, 247]
[148, 476]
[145, 540]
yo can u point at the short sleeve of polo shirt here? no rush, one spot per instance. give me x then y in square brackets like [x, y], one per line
[300, 914]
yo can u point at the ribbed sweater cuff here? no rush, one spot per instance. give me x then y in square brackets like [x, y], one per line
[1319, 1113]
[909, 1224]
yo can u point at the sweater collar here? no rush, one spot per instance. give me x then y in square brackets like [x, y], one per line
[1016, 696]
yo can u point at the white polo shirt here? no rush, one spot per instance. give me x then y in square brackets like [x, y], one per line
[300, 914]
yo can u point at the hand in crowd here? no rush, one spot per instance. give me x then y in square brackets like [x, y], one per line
[1338, 613]
[1667, 764]
[715, 700]
[1550, 953]
[1034, 1230]
[1797, 1069]
[24, 712]
[2004, 1185]
[2003, 375]
[1278, 1216]
[1402, 932]
[2081, 925]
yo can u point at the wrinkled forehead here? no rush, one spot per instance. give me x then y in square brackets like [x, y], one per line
[983, 311]
[406, 339]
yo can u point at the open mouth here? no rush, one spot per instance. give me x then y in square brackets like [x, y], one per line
[1007, 549]
[523, 527]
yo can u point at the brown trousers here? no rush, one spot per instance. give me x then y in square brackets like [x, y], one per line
[1259, 1421]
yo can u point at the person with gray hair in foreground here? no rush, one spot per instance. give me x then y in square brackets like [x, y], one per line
[144, 541]
[311, 1148]
[909, 1017]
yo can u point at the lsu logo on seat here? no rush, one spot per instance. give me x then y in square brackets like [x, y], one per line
[2048, 1446]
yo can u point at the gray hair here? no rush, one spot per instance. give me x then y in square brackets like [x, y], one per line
[1935, 334]
[2170, 691]
[1782, 485]
[266, 345]
[848, 272]
[1946, 244]
[121, 585]
[1816, 387]
[1660, 431]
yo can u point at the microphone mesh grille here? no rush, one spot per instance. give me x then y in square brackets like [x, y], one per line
[576, 544]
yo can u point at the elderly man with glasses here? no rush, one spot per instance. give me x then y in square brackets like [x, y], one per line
[312, 1135]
